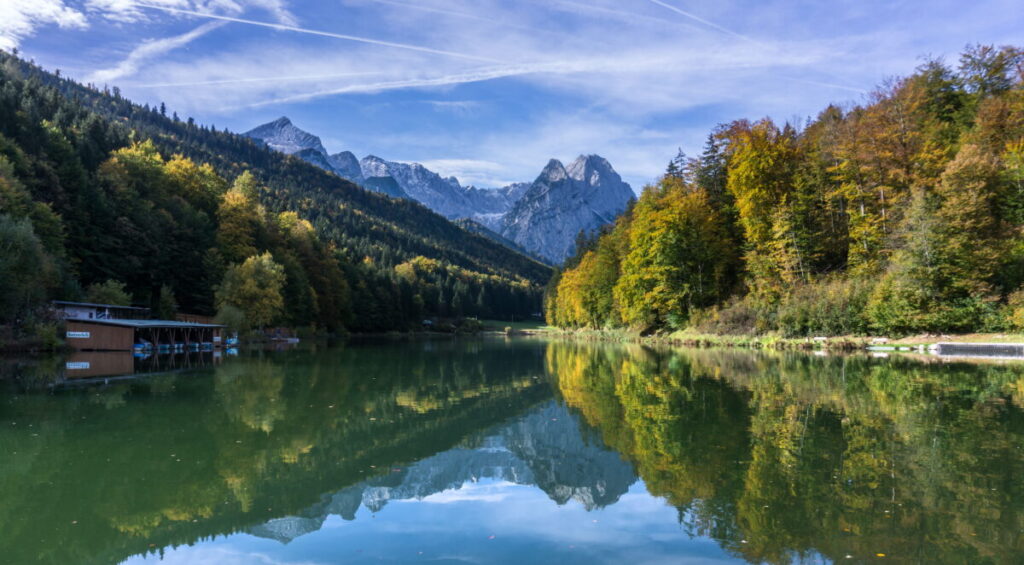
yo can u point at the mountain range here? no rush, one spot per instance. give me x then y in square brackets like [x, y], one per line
[542, 217]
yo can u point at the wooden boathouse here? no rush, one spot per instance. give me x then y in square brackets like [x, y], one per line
[126, 335]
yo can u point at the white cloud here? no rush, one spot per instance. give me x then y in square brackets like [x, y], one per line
[148, 50]
[476, 172]
[293, 28]
[20, 19]
[128, 11]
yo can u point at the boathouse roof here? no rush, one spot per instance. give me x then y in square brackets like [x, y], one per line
[147, 323]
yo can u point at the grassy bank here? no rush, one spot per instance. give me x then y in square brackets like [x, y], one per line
[831, 343]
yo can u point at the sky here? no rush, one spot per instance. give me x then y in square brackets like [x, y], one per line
[490, 90]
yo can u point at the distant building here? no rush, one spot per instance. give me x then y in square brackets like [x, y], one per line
[90, 311]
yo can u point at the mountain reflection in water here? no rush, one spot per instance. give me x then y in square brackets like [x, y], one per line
[519, 451]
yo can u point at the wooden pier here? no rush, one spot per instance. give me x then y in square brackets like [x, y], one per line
[989, 350]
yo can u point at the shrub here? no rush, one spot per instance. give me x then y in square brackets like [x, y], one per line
[829, 307]
[47, 335]
[739, 316]
[1013, 312]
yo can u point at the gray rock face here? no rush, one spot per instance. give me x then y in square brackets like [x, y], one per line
[543, 217]
[313, 157]
[346, 165]
[564, 201]
[282, 136]
[442, 195]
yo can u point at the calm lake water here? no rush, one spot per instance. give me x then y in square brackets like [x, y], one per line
[515, 451]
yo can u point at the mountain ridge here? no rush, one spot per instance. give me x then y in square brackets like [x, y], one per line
[543, 217]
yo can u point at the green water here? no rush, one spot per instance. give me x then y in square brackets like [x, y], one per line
[514, 451]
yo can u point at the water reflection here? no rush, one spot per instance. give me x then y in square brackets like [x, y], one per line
[519, 451]
[84, 367]
[782, 457]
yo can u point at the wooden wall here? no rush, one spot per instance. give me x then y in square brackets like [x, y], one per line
[82, 335]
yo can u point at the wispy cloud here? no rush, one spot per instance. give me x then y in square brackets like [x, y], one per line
[478, 75]
[150, 50]
[296, 29]
[131, 11]
[453, 13]
[461, 107]
[20, 19]
[276, 79]
[476, 172]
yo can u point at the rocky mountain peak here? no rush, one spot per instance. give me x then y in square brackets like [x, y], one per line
[554, 171]
[594, 171]
[282, 135]
[564, 201]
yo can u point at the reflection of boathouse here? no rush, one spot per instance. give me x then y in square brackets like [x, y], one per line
[86, 365]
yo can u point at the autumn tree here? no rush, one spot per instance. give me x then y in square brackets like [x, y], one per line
[677, 257]
[254, 287]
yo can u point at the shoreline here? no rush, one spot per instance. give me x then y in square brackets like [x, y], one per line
[822, 343]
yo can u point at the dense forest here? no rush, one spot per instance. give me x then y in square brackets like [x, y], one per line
[103, 199]
[900, 215]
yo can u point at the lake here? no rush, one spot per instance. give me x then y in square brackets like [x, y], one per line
[515, 451]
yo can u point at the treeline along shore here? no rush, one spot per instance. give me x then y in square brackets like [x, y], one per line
[898, 216]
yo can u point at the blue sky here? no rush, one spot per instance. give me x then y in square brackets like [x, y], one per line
[489, 90]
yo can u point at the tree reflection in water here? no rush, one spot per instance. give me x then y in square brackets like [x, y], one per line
[776, 457]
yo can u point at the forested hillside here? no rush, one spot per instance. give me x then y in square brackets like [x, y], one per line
[103, 197]
[900, 215]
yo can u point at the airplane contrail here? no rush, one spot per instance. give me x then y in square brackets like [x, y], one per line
[478, 75]
[257, 79]
[283, 27]
[697, 18]
[586, 9]
[454, 14]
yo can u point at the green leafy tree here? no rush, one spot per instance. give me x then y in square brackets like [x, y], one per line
[254, 287]
[25, 266]
[108, 292]
[677, 259]
[167, 305]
